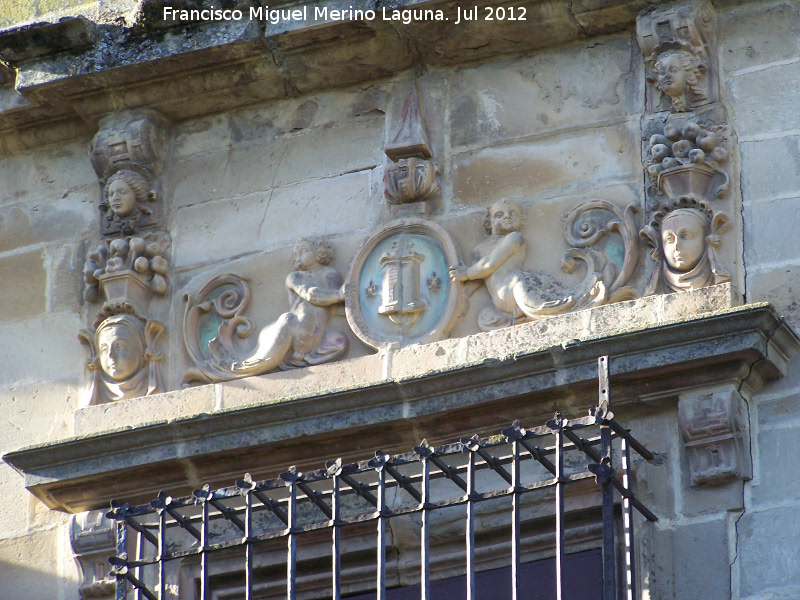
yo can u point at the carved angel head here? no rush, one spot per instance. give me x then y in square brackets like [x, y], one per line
[121, 346]
[503, 217]
[306, 252]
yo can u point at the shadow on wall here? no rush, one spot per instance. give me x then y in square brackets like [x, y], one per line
[21, 582]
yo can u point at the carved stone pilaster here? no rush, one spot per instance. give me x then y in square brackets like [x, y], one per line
[716, 436]
[128, 268]
[93, 540]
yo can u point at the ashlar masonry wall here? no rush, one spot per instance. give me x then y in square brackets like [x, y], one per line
[549, 129]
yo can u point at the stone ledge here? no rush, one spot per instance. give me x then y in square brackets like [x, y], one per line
[80, 69]
[652, 360]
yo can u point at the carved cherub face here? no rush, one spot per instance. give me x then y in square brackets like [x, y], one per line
[303, 257]
[121, 350]
[505, 217]
[683, 238]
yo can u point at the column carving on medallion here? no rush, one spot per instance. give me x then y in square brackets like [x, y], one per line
[129, 266]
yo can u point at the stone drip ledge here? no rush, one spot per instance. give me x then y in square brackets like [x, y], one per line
[80, 69]
[656, 351]
[405, 363]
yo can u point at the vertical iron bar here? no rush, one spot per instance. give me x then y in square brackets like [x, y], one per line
[205, 592]
[137, 572]
[609, 552]
[470, 527]
[248, 547]
[381, 583]
[559, 435]
[162, 551]
[515, 533]
[627, 524]
[291, 558]
[122, 551]
[425, 583]
[336, 550]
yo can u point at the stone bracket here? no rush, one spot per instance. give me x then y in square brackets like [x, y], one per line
[716, 436]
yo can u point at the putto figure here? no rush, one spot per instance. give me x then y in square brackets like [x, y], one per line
[123, 358]
[677, 72]
[298, 338]
[684, 238]
[516, 294]
[126, 195]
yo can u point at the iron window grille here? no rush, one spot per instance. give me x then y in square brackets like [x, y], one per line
[250, 512]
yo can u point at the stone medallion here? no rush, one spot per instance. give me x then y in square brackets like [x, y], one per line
[398, 288]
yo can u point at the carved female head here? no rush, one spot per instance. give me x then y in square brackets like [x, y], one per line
[503, 217]
[121, 346]
[683, 238]
[677, 74]
[307, 252]
[125, 191]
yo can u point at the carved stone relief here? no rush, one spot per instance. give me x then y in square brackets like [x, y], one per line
[518, 295]
[410, 176]
[124, 357]
[676, 44]
[684, 236]
[686, 156]
[716, 436]
[125, 154]
[398, 290]
[128, 268]
[93, 539]
[298, 338]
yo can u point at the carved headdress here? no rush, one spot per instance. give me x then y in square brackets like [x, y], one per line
[707, 271]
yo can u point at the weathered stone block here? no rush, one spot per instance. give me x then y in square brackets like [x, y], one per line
[777, 468]
[216, 231]
[43, 349]
[692, 557]
[762, 161]
[567, 163]
[755, 35]
[544, 92]
[758, 112]
[781, 288]
[241, 169]
[23, 293]
[28, 563]
[148, 409]
[766, 559]
[770, 231]
[283, 385]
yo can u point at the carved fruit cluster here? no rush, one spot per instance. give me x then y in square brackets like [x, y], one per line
[132, 254]
[690, 144]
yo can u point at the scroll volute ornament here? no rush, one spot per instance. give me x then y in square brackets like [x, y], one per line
[676, 42]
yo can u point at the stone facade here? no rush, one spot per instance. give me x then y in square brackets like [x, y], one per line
[263, 233]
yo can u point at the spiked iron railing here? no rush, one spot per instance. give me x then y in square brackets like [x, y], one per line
[152, 528]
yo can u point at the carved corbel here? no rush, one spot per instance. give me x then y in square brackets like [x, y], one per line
[410, 176]
[677, 43]
[93, 539]
[716, 436]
